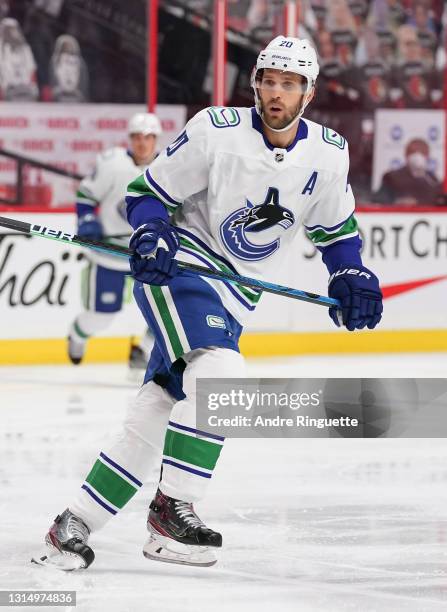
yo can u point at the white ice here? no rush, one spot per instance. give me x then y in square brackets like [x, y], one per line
[308, 524]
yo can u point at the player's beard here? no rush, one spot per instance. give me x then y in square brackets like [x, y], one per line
[278, 123]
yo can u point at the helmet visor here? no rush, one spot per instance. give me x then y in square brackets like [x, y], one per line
[282, 82]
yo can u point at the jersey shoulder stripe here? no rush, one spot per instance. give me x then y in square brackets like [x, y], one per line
[161, 193]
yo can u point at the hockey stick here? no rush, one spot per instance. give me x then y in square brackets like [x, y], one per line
[114, 249]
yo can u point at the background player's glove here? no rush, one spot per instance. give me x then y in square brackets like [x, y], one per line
[89, 227]
[360, 296]
[155, 244]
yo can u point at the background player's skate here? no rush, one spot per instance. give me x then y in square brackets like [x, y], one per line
[76, 344]
[139, 356]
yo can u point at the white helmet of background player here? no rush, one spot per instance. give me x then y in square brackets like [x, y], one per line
[287, 54]
[144, 123]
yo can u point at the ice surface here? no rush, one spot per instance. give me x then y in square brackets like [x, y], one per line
[308, 525]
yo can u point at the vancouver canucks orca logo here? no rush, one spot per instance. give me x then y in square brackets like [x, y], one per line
[252, 219]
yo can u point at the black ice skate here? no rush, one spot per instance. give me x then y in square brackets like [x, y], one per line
[177, 535]
[137, 358]
[76, 350]
[66, 544]
[76, 343]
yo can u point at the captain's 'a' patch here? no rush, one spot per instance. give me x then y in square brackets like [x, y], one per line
[333, 138]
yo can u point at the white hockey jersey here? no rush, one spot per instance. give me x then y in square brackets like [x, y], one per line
[238, 202]
[106, 189]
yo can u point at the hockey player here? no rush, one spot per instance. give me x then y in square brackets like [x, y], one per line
[101, 210]
[229, 193]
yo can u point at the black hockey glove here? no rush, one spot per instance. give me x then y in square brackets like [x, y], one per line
[360, 297]
[155, 244]
[89, 226]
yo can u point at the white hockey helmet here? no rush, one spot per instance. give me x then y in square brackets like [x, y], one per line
[144, 123]
[287, 54]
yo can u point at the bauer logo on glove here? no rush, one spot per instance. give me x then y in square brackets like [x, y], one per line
[353, 271]
[358, 291]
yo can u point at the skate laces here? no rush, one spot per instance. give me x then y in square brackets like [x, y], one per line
[186, 512]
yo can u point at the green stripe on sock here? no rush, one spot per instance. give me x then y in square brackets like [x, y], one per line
[111, 486]
[79, 331]
[193, 450]
[319, 236]
[167, 320]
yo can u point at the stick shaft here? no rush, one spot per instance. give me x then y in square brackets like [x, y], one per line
[121, 251]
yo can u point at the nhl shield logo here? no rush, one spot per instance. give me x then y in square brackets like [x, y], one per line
[279, 157]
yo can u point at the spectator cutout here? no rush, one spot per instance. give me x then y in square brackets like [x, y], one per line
[68, 72]
[17, 65]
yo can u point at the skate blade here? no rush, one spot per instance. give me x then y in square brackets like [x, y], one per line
[161, 548]
[64, 561]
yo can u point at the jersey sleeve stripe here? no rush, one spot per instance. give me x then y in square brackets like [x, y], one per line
[138, 189]
[132, 194]
[328, 229]
[159, 191]
[321, 237]
[86, 201]
[334, 240]
[83, 198]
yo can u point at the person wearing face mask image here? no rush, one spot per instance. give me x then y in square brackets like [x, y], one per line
[413, 184]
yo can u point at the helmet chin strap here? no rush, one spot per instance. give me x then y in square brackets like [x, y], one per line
[284, 129]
